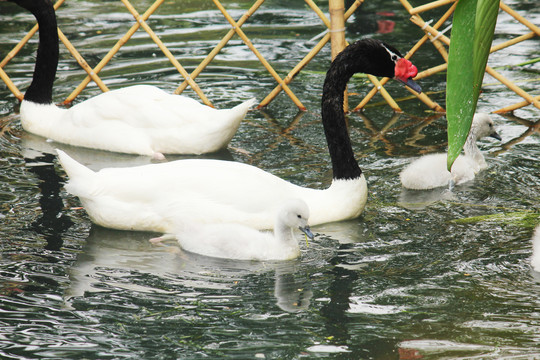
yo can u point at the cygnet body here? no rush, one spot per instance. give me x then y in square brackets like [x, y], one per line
[236, 241]
[535, 258]
[429, 171]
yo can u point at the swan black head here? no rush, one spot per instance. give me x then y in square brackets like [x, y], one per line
[368, 56]
[374, 57]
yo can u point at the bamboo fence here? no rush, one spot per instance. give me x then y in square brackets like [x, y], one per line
[335, 33]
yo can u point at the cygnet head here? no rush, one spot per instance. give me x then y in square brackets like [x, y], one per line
[295, 214]
[482, 126]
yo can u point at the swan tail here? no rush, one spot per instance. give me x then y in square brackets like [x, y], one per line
[244, 107]
[73, 169]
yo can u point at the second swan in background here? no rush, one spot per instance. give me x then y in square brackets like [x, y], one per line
[140, 119]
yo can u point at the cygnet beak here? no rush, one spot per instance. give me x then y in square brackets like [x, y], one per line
[306, 230]
[495, 135]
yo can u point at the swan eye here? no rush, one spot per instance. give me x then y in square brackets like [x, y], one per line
[394, 57]
[299, 216]
[490, 125]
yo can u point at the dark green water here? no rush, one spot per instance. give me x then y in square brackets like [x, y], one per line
[419, 275]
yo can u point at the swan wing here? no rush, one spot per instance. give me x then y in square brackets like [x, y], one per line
[427, 172]
[230, 241]
[143, 120]
[158, 196]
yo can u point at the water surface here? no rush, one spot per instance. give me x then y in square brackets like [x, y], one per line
[419, 275]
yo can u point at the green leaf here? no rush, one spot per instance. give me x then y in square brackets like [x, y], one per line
[472, 33]
[518, 218]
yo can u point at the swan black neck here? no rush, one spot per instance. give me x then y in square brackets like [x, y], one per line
[366, 56]
[40, 90]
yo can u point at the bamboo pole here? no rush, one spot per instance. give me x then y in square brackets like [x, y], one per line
[370, 95]
[323, 17]
[81, 61]
[220, 46]
[25, 39]
[512, 42]
[167, 52]
[440, 48]
[437, 25]
[336, 8]
[512, 86]
[393, 104]
[10, 55]
[515, 106]
[520, 18]
[417, 20]
[426, 100]
[290, 76]
[263, 61]
[337, 26]
[319, 12]
[113, 51]
[430, 6]
[431, 71]
[295, 70]
[10, 85]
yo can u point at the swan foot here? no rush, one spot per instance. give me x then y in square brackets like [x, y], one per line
[158, 156]
[157, 241]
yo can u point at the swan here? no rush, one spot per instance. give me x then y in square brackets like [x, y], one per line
[140, 119]
[429, 171]
[153, 197]
[535, 258]
[236, 241]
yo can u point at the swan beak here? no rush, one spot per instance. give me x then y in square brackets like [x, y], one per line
[496, 136]
[410, 83]
[306, 230]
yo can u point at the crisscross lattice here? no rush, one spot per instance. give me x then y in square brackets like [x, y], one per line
[439, 39]
[432, 33]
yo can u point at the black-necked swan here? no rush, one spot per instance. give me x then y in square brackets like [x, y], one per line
[155, 197]
[535, 258]
[429, 171]
[140, 119]
[240, 242]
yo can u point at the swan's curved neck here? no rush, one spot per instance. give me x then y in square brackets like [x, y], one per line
[40, 90]
[344, 164]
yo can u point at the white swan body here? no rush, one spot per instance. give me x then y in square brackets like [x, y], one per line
[535, 258]
[153, 197]
[140, 119]
[156, 197]
[429, 171]
[235, 241]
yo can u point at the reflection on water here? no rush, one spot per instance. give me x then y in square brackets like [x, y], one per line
[111, 259]
[419, 275]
